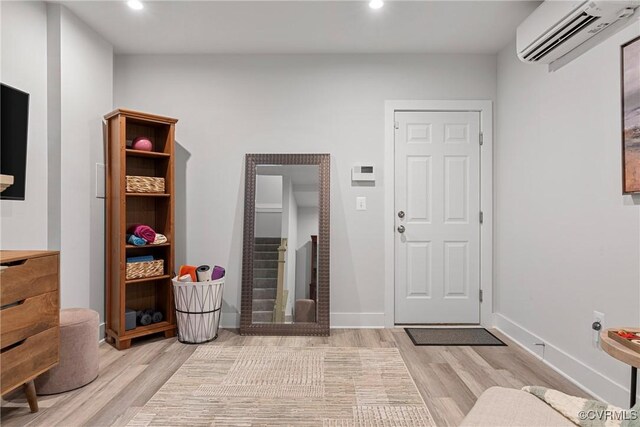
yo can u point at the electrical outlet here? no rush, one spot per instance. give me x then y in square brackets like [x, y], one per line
[595, 338]
[541, 346]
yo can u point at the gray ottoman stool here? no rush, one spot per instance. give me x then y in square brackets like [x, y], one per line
[78, 353]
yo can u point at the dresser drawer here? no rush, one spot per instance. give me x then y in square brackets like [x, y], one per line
[32, 316]
[29, 359]
[36, 276]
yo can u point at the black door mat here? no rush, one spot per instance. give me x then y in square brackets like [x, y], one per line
[452, 336]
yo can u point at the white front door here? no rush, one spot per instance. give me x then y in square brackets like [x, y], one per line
[437, 217]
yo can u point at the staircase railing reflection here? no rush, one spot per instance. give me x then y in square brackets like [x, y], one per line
[281, 291]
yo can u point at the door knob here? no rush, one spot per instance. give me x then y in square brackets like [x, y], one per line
[401, 214]
[401, 229]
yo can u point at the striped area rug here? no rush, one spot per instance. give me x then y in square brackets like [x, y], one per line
[269, 386]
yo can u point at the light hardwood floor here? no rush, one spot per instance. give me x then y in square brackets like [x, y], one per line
[449, 378]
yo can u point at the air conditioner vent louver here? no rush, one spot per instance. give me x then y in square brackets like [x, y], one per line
[560, 36]
[559, 31]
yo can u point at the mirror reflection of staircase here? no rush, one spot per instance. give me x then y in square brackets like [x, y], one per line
[265, 278]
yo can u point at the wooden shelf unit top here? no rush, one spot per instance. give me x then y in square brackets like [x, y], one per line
[141, 116]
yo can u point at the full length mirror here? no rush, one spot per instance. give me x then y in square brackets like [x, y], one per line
[286, 245]
[285, 273]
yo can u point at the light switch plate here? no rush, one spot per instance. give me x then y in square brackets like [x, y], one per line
[361, 203]
[100, 181]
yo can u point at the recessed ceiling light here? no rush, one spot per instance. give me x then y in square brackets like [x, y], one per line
[376, 4]
[135, 4]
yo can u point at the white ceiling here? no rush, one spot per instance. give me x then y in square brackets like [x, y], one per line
[178, 27]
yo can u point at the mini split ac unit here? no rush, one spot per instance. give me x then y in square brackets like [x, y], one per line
[560, 30]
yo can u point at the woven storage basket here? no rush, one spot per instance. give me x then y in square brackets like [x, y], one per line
[141, 270]
[144, 184]
[198, 308]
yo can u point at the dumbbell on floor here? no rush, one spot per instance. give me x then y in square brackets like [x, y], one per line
[143, 318]
[148, 316]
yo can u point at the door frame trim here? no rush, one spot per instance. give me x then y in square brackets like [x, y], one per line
[485, 108]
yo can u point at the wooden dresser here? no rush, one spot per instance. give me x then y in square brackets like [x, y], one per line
[29, 318]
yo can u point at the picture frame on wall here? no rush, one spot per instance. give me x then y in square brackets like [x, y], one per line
[630, 81]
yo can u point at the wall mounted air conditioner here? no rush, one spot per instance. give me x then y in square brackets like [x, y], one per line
[560, 30]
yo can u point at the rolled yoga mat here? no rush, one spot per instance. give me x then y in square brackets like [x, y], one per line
[218, 273]
[203, 273]
[188, 269]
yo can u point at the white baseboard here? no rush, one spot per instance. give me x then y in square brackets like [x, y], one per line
[230, 320]
[338, 320]
[357, 320]
[101, 332]
[590, 380]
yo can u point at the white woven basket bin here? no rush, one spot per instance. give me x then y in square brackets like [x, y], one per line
[198, 309]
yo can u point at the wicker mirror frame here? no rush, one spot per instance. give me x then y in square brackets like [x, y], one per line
[321, 327]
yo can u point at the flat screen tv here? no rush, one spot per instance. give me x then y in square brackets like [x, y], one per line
[14, 122]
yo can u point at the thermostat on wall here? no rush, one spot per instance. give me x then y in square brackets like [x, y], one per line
[363, 173]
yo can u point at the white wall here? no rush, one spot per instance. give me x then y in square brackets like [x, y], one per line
[23, 33]
[566, 241]
[231, 105]
[68, 70]
[268, 224]
[268, 191]
[86, 65]
[308, 222]
[268, 200]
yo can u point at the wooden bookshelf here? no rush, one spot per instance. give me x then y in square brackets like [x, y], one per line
[148, 247]
[148, 195]
[148, 279]
[125, 209]
[148, 154]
